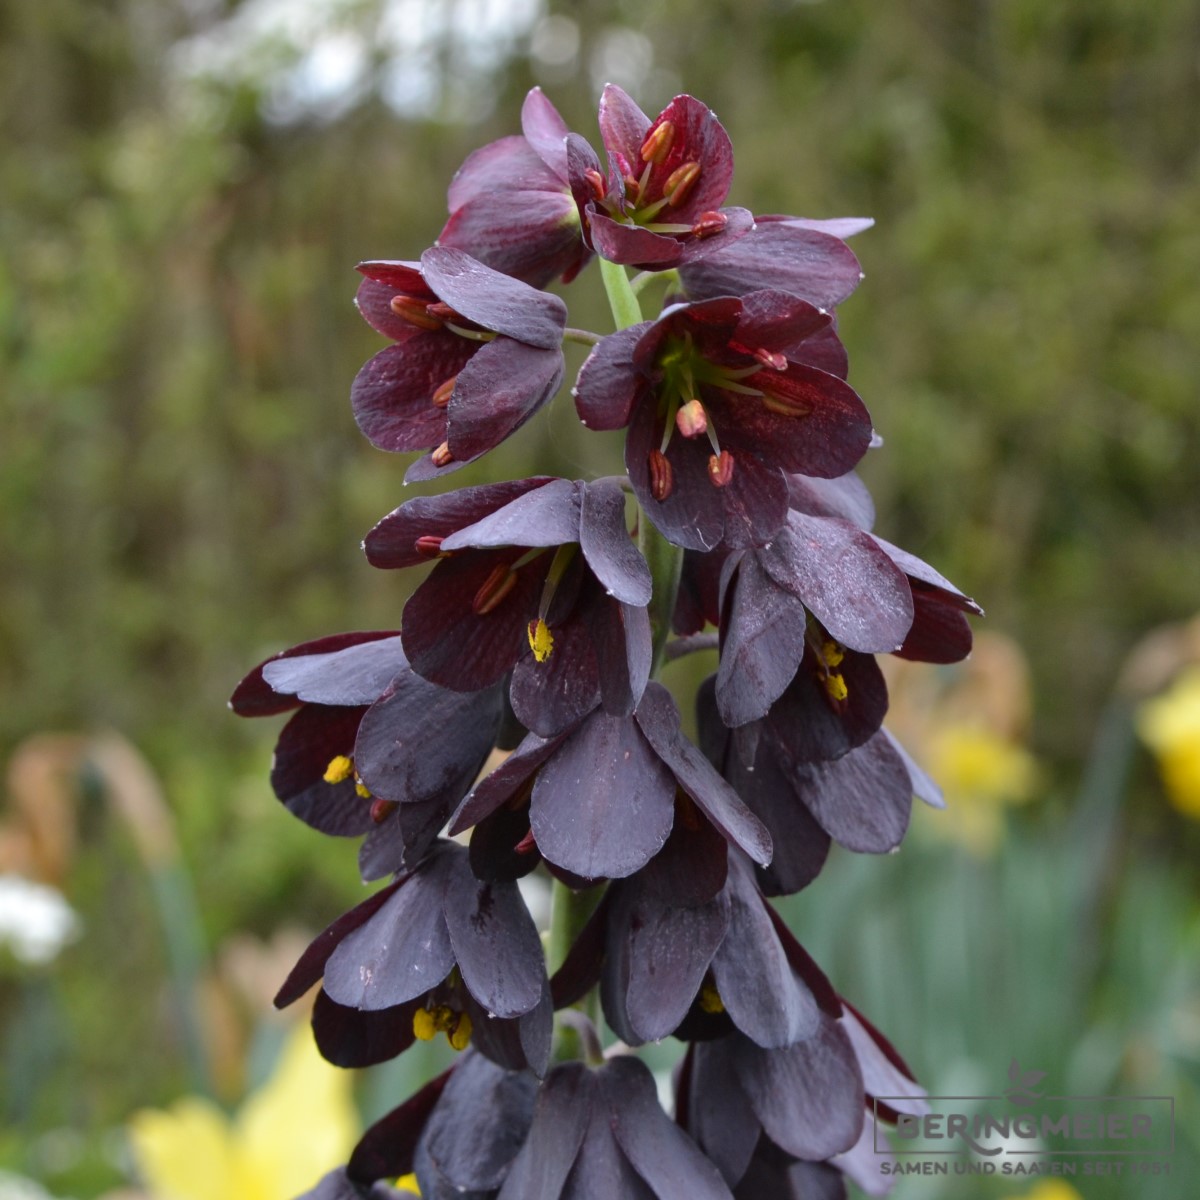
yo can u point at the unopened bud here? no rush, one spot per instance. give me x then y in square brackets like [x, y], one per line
[442, 396]
[441, 456]
[415, 311]
[662, 477]
[495, 587]
[720, 469]
[691, 420]
[658, 142]
[680, 182]
[709, 223]
[382, 809]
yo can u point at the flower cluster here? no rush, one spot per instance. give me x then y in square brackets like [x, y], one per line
[539, 632]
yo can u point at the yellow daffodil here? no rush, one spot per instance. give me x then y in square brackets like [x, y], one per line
[1049, 1189]
[300, 1124]
[1170, 726]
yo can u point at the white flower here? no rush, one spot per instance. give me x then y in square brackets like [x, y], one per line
[35, 921]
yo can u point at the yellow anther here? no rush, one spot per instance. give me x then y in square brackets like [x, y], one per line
[460, 1036]
[710, 999]
[339, 769]
[541, 640]
[362, 790]
[423, 1025]
[835, 685]
[832, 653]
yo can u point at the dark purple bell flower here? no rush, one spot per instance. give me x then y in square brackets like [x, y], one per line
[722, 403]
[861, 799]
[512, 206]
[476, 354]
[372, 748]
[660, 201]
[601, 798]
[801, 1118]
[602, 1133]
[674, 939]
[437, 951]
[540, 578]
[787, 254]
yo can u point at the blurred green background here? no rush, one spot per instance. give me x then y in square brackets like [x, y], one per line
[185, 188]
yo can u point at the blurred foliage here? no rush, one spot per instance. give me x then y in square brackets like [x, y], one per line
[182, 487]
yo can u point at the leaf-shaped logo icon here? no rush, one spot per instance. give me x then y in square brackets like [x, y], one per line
[1023, 1084]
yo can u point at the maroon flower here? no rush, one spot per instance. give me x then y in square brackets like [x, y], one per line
[345, 762]
[603, 1133]
[659, 203]
[476, 354]
[436, 951]
[539, 577]
[599, 800]
[723, 402]
[511, 202]
[687, 947]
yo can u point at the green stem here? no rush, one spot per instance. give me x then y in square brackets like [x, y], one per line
[621, 297]
[665, 561]
[569, 913]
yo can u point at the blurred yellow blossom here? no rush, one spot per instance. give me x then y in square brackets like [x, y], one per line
[1170, 725]
[300, 1124]
[1049, 1189]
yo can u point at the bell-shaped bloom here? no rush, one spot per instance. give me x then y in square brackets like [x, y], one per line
[599, 800]
[512, 205]
[603, 1133]
[757, 1112]
[437, 951]
[371, 748]
[539, 577]
[675, 943]
[805, 258]
[861, 799]
[476, 353]
[723, 401]
[659, 203]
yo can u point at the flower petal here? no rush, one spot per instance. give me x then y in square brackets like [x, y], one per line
[632, 245]
[719, 1115]
[401, 952]
[491, 172]
[846, 497]
[392, 543]
[354, 675]
[495, 300]
[609, 385]
[503, 784]
[623, 127]
[607, 546]
[386, 1149]
[392, 395]
[603, 805]
[349, 1038]
[495, 941]
[659, 721]
[808, 263]
[561, 1115]
[545, 131]
[545, 516]
[623, 651]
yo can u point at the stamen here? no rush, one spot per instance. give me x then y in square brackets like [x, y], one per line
[710, 999]
[527, 845]
[460, 1036]
[442, 456]
[424, 1028]
[832, 653]
[596, 182]
[720, 469]
[541, 640]
[680, 183]
[771, 358]
[662, 477]
[382, 809]
[494, 588]
[835, 687]
[442, 396]
[691, 420]
[709, 223]
[785, 406]
[415, 311]
[339, 770]
[361, 790]
[658, 143]
[429, 545]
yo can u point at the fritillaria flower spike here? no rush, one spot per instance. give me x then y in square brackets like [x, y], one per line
[516, 723]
